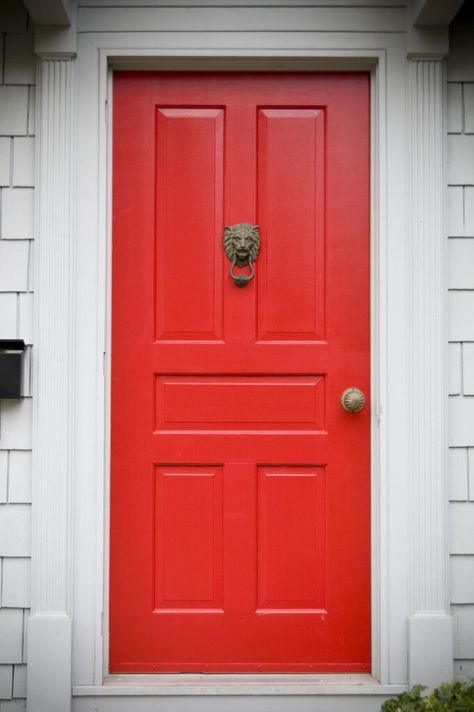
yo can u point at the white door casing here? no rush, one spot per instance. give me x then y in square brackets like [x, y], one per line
[70, 510]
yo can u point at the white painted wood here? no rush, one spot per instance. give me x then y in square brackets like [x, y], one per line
[461, 263]
[3, 481]
[15, 431]
[434, 12]
[470, 454]
[32, 111]
[19, 59]
[454, 369]
[462, 528]
[469, 211]
[464, 670]
[462, 579]
[19, 480]
[13, 116]
[464, 623]
[461, 159]
[11, 631]
[14, 706]
[457, 460]
[461, 421]
[469, 107]
[49, 663]
[17, 213]
[283, 703]
[221, 19]
[6, 682]
[50, 12]
[239, 684]
[460, 322]
[430, 630]
[455, 211]
[57, 39]
[423, 42]
[16, 583]
[455, 107]
[19, 681]
[8, 321]
[390, 581]
[13, 265]
[5, 144]
[49, 637]
[24, 161]
[26, 618]
[25, 316]
[15, 529]
[26, 389]
[430, 648]
[468, 369]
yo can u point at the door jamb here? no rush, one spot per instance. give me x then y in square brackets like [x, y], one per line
[375, 67]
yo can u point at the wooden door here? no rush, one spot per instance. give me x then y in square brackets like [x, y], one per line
[240, 488]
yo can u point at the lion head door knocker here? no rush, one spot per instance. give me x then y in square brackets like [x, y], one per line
[242, 243]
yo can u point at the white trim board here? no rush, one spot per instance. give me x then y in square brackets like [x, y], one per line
[393, 583]
[377, 61]
[238, 684]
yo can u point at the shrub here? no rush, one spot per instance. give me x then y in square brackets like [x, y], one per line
[448, 697]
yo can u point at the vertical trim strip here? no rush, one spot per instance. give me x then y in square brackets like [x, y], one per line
[49, 659]
[426, 265]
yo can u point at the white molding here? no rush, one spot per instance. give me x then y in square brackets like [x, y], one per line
[238, 684]
[391, 315]
[57, 42]
[430, 634]
[427, 40]
[49, 657]
[435, 13]
[50, 12]
[236, 703]
[96, 54]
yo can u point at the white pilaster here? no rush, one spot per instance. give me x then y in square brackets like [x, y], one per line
[429, 635]
[49, 632]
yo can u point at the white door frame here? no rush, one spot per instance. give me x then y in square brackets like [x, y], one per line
[70, 511]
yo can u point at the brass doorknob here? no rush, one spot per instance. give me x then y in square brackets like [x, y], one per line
[353, 400]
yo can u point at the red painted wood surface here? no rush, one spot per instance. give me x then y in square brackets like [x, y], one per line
[240, 488]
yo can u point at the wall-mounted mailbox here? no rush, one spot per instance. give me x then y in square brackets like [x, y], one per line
[11, 367]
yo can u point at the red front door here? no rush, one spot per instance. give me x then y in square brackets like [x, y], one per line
[240, 510]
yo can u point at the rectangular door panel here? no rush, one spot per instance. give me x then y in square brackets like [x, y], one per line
[291, 156]
[188, 538]
[240, 402]
[291, 533]
[189, 185]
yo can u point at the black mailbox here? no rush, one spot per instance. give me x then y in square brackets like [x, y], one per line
[11, 367]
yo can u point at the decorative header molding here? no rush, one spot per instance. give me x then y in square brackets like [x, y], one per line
[427, 33]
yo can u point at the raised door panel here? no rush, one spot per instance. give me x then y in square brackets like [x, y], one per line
[189, 191]
[291, 186]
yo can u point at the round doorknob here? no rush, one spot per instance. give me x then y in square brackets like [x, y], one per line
[353, 400]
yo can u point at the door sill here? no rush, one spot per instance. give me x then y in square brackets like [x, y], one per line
[237, 684]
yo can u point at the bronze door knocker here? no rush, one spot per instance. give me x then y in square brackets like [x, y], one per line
[242, 244]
